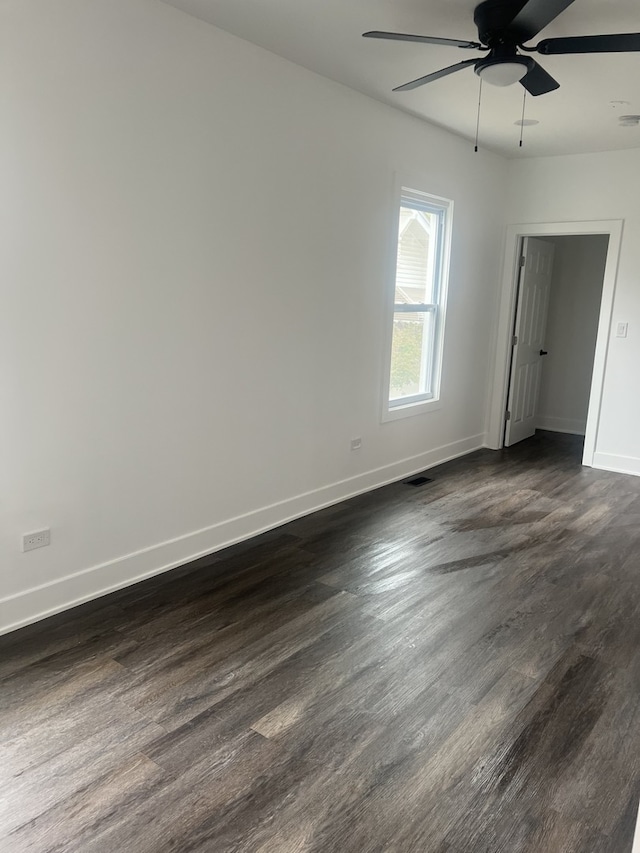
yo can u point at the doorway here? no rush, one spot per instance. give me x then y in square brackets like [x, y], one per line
[559, 293]
[611, 229]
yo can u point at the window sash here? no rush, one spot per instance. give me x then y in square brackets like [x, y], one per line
[414, 307]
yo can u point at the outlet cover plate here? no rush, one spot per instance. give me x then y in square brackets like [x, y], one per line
[37, 539]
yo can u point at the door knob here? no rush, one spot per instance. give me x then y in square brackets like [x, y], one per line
[543, 352]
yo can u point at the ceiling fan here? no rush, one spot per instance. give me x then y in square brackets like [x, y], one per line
[503, 28]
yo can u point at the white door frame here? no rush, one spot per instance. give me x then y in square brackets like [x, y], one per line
[508, 294]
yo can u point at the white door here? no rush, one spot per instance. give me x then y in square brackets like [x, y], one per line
[528, 342]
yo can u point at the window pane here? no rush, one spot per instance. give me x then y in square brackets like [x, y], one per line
[411, 355]
[417, 245]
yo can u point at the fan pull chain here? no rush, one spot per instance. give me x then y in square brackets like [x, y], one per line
[524, 101]
[478, 121]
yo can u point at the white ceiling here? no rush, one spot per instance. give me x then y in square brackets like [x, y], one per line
[325, 36]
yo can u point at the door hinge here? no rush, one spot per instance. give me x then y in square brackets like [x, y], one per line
[514, 340]
[507, 415]
[523, 260]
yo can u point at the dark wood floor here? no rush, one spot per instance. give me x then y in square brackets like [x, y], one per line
[452, 668]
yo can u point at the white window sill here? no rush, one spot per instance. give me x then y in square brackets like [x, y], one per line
[422, 408]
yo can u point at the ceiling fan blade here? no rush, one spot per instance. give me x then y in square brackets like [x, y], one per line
[536, 81]
[376, 34]
[534, 16]
[436, 75]
[620, 43]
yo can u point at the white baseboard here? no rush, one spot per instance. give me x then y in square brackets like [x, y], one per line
[66, 592]
[620, 464]
[573, 426]
[636, 838]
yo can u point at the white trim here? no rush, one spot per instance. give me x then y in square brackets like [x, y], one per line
[514, 234]
[402, 188]
[421, 407]
[572, 426]
[636, 838]
[45, 600]
[619, 464]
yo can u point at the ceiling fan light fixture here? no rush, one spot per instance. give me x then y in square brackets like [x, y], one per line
[500, 72]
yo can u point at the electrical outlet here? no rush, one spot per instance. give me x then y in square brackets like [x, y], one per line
[356, 443]
[38, 539]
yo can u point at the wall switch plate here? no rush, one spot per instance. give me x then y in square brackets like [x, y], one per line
[621, 330]
[356, 443]
[38, 539]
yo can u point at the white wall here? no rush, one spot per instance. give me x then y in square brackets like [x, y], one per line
[195, 239]
[603, 186]
[572, 327]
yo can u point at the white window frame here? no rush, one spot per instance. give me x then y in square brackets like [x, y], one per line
[428, 401]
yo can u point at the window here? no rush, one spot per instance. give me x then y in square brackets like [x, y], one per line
[417, 322]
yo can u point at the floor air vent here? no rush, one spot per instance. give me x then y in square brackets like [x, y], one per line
[418, 481]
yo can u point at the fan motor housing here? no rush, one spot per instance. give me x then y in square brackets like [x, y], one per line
[493, 19]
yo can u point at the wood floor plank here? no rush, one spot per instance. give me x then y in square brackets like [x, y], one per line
[197, 689]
